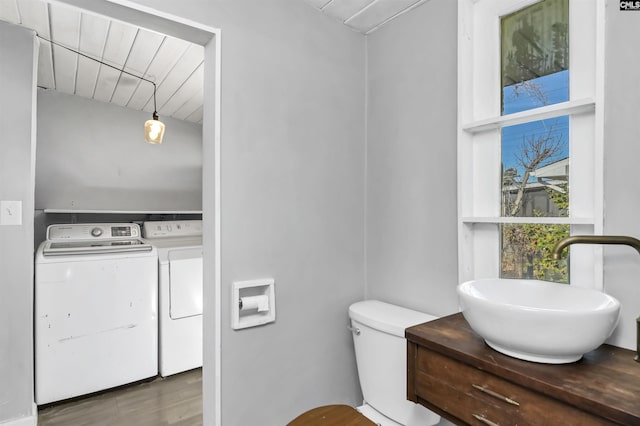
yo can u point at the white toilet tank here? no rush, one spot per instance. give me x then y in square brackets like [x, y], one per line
[381, 356]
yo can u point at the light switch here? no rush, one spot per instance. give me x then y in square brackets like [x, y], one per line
[10, 212]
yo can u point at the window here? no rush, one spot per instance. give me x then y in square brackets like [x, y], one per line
[534, 71]
[529, 139]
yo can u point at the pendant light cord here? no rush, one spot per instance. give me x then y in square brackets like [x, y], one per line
[106, 64]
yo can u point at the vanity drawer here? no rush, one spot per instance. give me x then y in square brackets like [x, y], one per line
[476, 397]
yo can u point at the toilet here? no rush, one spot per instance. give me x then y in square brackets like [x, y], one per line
[381, 357]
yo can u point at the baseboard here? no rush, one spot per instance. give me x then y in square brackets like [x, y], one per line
[31, 420]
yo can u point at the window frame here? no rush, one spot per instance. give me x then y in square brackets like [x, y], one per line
[479, 130]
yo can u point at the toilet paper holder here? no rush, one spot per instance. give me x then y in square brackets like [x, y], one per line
[260, 303]
[253, 303]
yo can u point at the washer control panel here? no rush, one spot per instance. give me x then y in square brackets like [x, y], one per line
[93, 231]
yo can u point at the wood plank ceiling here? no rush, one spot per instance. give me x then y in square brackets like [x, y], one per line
[364, 16]
[175, 66]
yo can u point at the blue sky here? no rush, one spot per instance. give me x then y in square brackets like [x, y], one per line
[555, 88]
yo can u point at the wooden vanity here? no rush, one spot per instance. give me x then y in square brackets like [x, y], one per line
[451, 371]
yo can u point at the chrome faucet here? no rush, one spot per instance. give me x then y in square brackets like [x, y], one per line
[602, 239]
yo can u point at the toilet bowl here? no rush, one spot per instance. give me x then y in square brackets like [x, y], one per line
[381, 358]
[378, 418]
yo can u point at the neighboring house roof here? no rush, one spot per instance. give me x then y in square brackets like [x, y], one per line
[558, 170]
[549, 176]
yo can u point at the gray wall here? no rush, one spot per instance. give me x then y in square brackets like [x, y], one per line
[18, 55]
[411, 160]
[292, 201]
[292, 206]
[411, 210]
[621, 156]
[92, 155]
[293, 188]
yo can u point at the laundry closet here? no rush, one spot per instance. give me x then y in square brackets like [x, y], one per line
[99, 189]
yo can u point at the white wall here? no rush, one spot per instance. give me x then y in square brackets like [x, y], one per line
[92, 155]
[18, 56]
[621, 157]
[411, 160]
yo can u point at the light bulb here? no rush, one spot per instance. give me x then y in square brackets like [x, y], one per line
[154, 130]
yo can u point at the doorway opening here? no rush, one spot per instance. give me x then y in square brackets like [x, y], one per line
[209, 38]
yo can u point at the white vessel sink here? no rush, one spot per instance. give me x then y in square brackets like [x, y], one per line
[538, 321]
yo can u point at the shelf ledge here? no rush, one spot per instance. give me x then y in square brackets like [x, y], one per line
[551, 111]
[540, 220]
[74, 211]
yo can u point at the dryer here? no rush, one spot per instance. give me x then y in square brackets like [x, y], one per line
[179, 246]
[96, 323]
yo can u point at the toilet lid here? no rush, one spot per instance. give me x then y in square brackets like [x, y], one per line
[331, 415]
[385, 317]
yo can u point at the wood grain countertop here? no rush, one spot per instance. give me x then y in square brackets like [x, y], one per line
[605, 382]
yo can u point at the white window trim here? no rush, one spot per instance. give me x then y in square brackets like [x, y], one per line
[479, 125]
[550, 111]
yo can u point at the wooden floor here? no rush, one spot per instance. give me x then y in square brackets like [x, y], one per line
[175, 400]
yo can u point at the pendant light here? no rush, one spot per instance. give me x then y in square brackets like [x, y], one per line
[154, 128]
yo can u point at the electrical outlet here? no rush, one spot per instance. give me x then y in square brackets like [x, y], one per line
[10, 212]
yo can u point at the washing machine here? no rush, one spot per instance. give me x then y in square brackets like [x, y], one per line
[96, 316]
[179, 246]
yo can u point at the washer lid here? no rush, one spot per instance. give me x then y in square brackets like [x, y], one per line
[385, 317]
[59, 248]
[166, 245]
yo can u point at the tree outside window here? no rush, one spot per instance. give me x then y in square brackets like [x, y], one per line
[535, 155]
